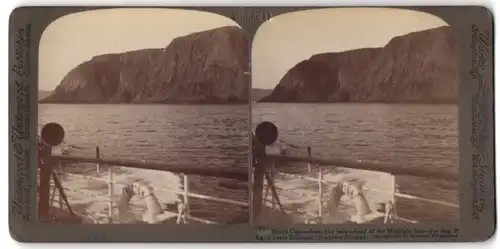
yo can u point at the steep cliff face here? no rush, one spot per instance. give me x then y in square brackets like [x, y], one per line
[202, 67]
[417, 67]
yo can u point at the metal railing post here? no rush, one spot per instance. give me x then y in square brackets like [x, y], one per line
[98, 156]
[320, 194]
[309, 156]
[186, 197]
[54, 189]
[60, 176]
[53, 196]
[395, 190]
[273, 169]
[110, 192]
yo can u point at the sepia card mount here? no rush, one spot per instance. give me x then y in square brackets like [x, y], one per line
[177, 109]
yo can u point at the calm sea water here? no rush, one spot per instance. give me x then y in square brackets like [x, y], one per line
[421, 136]
[204, 135]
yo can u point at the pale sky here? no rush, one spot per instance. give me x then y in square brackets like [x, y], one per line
[288, 39]
[75, 38]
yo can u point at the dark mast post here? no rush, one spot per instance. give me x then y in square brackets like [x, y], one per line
[266, 133]
[52, 134]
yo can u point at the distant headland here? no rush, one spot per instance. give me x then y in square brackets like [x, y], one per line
[204, 67]
[420, 67]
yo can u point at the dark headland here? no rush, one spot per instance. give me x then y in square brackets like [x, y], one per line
[203, 67]
[420, 67]
[258, 93]
[43, 94]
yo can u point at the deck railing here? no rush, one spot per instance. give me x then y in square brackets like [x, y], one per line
[323, 164]
[184, 170]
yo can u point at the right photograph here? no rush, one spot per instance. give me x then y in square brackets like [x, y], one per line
[355, 118]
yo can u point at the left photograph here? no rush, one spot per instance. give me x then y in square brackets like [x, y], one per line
[143, 118]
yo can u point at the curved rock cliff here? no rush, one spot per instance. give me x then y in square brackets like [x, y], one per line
[417, 67]
[202, 67]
